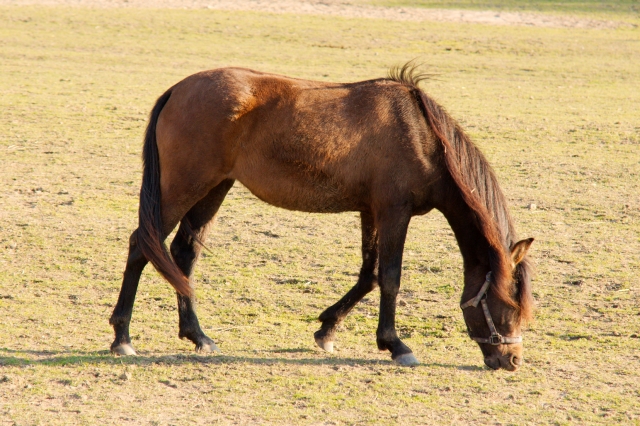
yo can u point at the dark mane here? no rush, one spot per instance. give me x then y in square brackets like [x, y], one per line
[409, 74]
[480, 190]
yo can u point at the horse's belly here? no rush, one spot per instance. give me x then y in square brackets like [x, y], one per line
[301, 192]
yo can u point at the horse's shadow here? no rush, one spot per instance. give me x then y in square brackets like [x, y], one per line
[12, 357]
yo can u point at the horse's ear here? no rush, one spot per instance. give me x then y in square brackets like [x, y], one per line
[519, 251]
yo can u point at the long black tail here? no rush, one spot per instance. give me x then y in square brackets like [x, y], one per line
[149, 236]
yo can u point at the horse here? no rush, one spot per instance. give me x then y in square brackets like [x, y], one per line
[379, 147]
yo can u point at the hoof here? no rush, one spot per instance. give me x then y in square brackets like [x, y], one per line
[123, 349]
[407, 360]
[324, 344]
[207, 348]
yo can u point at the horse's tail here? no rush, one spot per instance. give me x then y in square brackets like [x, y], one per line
[150, 229]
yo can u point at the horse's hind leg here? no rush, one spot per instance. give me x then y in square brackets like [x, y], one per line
[185, 250]
[367, 281]
[121, 316]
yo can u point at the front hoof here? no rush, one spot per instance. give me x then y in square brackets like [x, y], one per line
[207, 347]
[327, 345]
[123, 349]
[407, 360]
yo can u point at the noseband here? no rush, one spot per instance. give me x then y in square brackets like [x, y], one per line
[495, 338]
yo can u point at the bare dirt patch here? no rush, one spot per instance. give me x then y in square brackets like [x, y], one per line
[346, 9]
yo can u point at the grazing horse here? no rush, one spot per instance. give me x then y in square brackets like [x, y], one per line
[379, 147]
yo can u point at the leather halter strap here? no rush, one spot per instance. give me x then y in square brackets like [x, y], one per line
[481, 298]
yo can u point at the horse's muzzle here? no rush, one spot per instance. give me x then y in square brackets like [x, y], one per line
[508, 362]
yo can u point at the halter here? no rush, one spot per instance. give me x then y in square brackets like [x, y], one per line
[495, 338]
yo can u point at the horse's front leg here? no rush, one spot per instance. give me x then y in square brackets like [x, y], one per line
[367, 281]
[392, 228]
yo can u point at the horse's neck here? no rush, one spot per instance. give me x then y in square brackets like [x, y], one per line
[472, 244]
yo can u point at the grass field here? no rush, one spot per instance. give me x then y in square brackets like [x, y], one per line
[554, 110]
[621, 8]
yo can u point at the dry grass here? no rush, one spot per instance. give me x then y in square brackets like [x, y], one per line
[554, 110]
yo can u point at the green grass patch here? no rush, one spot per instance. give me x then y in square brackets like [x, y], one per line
[583, 7]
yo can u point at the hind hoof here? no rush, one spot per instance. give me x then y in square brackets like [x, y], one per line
[207, 348]
[324, 344]
[407, 360]
[123, 349]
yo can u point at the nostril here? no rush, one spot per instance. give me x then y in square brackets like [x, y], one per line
[516, 361]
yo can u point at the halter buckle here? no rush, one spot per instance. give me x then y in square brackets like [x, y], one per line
[495, 339]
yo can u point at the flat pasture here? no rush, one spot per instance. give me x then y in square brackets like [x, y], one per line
[555, 110]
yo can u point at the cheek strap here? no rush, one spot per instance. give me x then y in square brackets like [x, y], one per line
[495, 338]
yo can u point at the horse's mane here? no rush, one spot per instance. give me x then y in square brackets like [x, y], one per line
[479, 189]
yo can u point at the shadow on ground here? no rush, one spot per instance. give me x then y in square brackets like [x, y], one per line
[11, 357]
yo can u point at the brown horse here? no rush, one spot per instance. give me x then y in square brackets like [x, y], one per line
[380, 147]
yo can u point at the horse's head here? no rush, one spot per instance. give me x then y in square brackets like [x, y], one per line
[494, 323]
